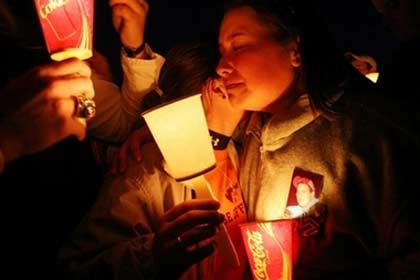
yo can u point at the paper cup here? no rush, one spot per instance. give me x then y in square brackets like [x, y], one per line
[67, 26]
[270, 247]
[180, 130]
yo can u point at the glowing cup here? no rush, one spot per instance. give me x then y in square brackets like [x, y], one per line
[181, 133]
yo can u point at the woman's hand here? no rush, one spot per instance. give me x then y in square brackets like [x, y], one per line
[129, 19]
[130, 147]
[221, 116]
[186, 236]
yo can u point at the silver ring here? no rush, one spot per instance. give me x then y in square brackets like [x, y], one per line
[85, 107]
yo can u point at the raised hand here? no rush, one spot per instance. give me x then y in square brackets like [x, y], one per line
[130, 147]
[129, 19]
[221, 116]
[363, 63]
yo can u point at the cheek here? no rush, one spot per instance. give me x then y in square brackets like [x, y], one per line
[270, 73]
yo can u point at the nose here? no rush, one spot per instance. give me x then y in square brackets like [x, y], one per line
[224, 68]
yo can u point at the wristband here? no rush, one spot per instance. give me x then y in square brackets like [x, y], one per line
[133, 52]
[219, 141]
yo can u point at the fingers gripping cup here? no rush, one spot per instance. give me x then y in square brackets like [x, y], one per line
[67, 26]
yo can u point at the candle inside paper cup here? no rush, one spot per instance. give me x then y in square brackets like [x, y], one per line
[270, 248]
[67, 26]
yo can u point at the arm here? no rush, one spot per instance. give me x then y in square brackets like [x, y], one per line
[117, 111]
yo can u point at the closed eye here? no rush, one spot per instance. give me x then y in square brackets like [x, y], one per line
[238, 47]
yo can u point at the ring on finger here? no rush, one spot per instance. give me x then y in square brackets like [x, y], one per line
[85, 107]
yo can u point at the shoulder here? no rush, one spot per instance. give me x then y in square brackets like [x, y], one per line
[145, 177]
[149, 171]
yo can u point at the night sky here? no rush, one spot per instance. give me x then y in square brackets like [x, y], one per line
[354, 23]
[358, 27]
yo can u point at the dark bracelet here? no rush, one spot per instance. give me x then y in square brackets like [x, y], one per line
[219, 141]
[133, 52]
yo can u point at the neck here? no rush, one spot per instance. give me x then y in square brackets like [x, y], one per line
[283, 103]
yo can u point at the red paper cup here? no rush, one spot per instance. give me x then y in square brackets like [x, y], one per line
[270, 248]
[67, 26]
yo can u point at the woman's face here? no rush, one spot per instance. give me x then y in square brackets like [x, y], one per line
[257, 70]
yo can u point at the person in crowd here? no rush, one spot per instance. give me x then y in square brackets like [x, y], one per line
[119, 108]
[56, 179]
[134, 231]
[317, 114]
[47, 158]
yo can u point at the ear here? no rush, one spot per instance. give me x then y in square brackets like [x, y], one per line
[295, 57]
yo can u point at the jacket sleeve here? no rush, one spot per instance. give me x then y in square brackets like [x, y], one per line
[118, 109]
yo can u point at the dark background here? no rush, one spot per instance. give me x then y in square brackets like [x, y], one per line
[358, 27]
[355, 24]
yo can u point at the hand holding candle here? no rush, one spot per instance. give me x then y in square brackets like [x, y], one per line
[67, 26]
[179, 127]
[186, 235]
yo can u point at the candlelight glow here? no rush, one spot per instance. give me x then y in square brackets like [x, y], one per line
[373, 76]
[180, 131]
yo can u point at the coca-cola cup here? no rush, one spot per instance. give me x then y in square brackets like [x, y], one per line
[271, 248]
[67, 26]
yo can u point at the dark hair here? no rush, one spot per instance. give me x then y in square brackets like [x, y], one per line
[324, 70]
[187, 67]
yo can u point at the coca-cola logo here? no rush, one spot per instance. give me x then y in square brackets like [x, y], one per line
[46, 9]
[259, 256]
